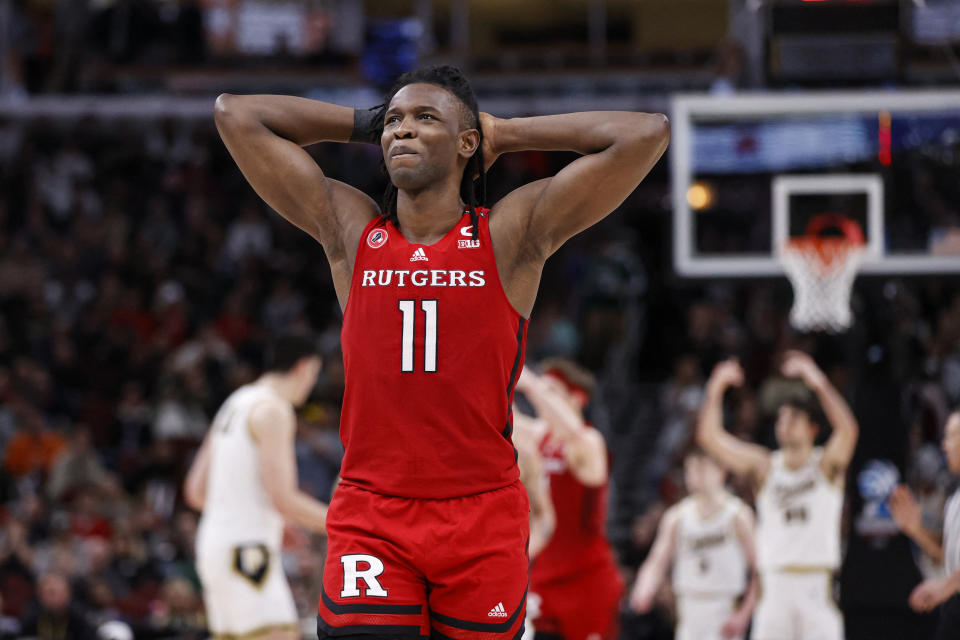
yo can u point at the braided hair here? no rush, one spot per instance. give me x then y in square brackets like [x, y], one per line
[453, 80]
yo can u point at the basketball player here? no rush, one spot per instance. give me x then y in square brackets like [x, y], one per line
[906, 513]
[799, 500]
[708, 537]
[428, 528]
[244, 480]
[575, 585]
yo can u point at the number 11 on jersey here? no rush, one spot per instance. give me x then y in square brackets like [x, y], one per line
[408, 309]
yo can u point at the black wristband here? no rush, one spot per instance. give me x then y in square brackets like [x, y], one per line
[367, 125]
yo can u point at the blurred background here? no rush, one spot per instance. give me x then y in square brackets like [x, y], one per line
[140, 275]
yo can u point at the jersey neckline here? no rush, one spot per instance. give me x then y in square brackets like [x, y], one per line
[465, 213]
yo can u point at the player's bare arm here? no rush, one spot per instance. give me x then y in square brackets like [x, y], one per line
[745, 526]
[909, 517]
[838, 452]
[740, 457]
[618, 150]
[273, 426]
[655, 567]
[195, 484]
[543, 517]
[266, 134]
[583, 448]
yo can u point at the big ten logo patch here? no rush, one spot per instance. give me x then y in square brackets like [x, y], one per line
[357, 567]
[467, 232]
[377, 238]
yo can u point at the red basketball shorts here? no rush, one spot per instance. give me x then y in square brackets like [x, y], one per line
[583, 606]
[453, 568]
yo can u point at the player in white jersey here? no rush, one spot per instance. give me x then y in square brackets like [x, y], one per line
[709, 539]
[906, 512]
[244, 480]
[799, 500]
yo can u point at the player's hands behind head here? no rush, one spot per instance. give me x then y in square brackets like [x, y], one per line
[797, 364]
[725, 375]
[488, 127]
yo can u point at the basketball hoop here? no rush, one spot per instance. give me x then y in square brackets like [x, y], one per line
[822, 269]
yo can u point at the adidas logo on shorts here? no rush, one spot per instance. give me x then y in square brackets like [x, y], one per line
[498, 611]
[418, 255]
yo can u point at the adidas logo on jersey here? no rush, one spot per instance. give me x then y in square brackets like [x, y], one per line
[418, 255]
[498, 611]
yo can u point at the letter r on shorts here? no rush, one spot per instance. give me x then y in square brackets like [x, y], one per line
[352, 575]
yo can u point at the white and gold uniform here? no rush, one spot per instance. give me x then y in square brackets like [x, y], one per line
[798, 549]
[709, 569]
[240, 531]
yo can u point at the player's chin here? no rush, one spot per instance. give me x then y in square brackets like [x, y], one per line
[408, 177]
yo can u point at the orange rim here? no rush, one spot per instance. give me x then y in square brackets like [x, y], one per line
[829, 253]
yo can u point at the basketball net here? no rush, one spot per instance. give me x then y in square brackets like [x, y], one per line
[822, 270]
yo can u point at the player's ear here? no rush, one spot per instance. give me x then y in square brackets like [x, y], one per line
[468, 141]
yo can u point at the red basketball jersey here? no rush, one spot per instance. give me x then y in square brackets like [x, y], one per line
[432, 350]
[579, 542]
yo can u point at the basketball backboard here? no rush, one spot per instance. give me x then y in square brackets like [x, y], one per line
[749, 171]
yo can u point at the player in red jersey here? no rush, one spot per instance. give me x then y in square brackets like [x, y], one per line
[428, 528]
[575, 586]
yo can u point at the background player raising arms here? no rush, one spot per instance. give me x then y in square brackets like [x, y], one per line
[708, 537]
[244, 480]
[575, 586]
[799, 501]
[428, 528]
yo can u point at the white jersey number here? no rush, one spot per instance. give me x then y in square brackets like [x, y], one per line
[408, 309]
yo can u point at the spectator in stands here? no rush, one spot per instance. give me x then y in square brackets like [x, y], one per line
[78, 465]
[16, 569]
[9, 625]
[56, 616]
[35, 447]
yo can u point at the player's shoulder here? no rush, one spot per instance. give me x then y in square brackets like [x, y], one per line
[673, 513]
[269, 409]
[355, 210]
[355, 202]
